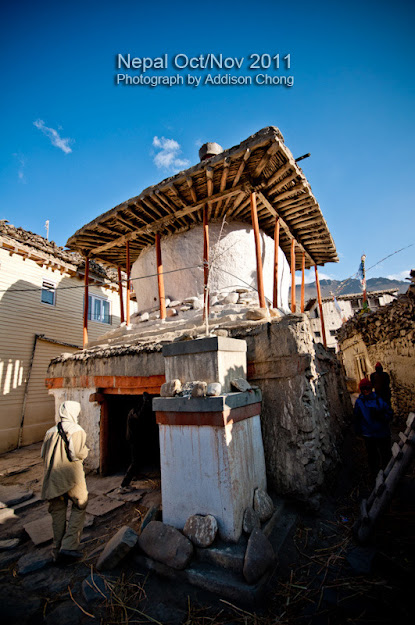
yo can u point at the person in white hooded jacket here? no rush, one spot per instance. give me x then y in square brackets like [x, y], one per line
[63, 452]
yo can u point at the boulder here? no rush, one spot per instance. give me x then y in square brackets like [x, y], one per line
[274, 312]
[34, 561]
[144, 317]
[201, 530]
[242, 290]
[185, 308]
[259, 557]
[198, 304]
[199, 389]
[250, 521]
[166, 544]
[174, 304]
[9, 543]
[263, 505]
[240, 384]
[257, 314]
[232, 298]
[171, 312]
[117, 548]
[170, 389]
[214, 389]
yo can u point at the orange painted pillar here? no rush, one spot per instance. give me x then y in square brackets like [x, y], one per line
[205, 258]
[160, 279]
[127, 303]
[276, 246]
[86, 303]
[302, 282]
[120, 293]
[260, 279]
[320, 305]
[293, 275]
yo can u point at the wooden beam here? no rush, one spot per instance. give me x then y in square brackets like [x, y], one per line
[281, 172]
[283, 225]
[86, 304]
[282, 183]
[157, 224]
[320, 305]
[179, 198]
[209, 189]
[241, 168]
[297, 188]
[205, 261]
[224, 178]
[273, 148]
[260, 280]
[120, 293]
[127, 304]
[160, 278]
[302, 282]
[276, 249]
[292, 266]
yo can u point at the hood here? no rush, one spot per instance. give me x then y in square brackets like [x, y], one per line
[69, 412]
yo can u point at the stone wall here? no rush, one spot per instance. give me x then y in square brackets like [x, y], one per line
[387, 336]
[305, 404]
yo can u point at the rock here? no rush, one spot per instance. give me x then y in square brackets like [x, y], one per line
[167, 302]
[11, 543]
[213, 300]
[174, 304]
[274, 312]
[239, 384]
[150, 516]
[201, 530]
[220, 332]
[171, 312]
[117, 548]
[12, 495]
[257, 314]
[250, 521]
[144, 317]
[263, 505]
[166, 544]
[214, 389]
[232, 298]
[259, 556]
[185, 308]
[199, 389]
[65, 613]
[34, 561]
[40, 530]
[198, 304]
[95, 589]
[170, 389]
[154, 315]
[242, 290]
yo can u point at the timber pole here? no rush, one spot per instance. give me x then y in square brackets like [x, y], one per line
[276, 247]
[260, 279]
[120, 293]
[320, 305]
[302, 282]
[127, 303]
[293, 275]
[86, 304]
[160, 279]
[205, 260]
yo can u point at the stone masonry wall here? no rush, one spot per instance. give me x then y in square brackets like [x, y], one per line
[305, 404]
[387, 336]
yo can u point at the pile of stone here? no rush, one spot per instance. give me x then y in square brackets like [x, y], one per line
[198, 388]
[176, 549]
[390, 322]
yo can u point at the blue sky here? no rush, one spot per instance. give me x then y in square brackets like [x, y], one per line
[74, 144]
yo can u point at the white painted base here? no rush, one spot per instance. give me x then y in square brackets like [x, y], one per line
[211, 470]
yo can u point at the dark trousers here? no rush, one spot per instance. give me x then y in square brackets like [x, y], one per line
[378, 453]
[134, 468]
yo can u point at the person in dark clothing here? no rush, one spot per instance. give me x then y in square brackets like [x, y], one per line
[372, 418]
[134, 425]
[381, 383]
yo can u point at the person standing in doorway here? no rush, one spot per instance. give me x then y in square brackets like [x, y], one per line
[63, 451]
[372, 418]
[134, 425]
[381, 383]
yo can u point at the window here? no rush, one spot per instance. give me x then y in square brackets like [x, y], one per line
[48, 293]
[99, 309]
[318, 334]
[332, 332]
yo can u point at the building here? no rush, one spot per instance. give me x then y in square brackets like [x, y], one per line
[386, 335]
[335, 313]
[213, 251]
[41, 308]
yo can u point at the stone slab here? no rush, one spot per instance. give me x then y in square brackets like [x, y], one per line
[98, 485]
[117, 548]
[6, 514]
[11, 543]
[209, 344]
[102, 505]
[207, 404]
[28, 503]
[34, 561]
[40, 530]
[10, 496]
[134, 495]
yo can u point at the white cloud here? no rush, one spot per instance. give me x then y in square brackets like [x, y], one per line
[168, 155]
[22, 164]
[54, 136]
[310, 277]
[399, 276]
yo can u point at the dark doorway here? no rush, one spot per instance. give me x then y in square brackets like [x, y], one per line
[118, 454]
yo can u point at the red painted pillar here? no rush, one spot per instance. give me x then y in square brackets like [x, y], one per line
[127, 304]
[293, 275]
[160, 279]
[276, 247]
[260, 279]
[86, 303]
[320, 305]
[120, 293]
[205, 258]
[302, 282]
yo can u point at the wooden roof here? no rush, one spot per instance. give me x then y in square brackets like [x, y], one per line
[261, 163]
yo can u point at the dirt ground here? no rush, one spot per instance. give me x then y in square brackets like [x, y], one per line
[323, 576]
